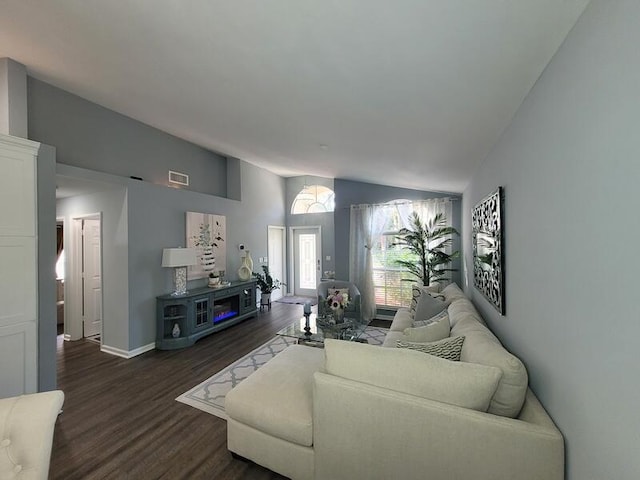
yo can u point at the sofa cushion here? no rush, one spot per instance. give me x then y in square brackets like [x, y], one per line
[461, 306]
[277, 399]
[452, 292]
[482, 347]
[463, 384]
[448, 348]
[437, 329]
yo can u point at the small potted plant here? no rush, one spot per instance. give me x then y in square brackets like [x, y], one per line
[266, 284]
[214, 279]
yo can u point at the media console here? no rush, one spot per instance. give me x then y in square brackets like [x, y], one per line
[202, 311]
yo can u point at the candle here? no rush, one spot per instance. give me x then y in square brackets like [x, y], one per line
[307, 308]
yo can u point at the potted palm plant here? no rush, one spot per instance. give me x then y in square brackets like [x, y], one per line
[427, 241]
[266, 284]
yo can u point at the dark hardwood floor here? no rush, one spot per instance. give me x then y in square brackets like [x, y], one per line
[121, 420]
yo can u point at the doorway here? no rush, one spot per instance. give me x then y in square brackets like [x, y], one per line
[84, 290]
[276, 249]
[307, 246]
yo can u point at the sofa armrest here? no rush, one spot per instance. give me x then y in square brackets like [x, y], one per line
[26, 433]
[363, 431]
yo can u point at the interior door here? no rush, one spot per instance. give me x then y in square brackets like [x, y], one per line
[92, 295]
[276, 258]
[306, 258]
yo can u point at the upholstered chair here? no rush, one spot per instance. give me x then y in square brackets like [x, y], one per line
[353, 308]
[26, 434]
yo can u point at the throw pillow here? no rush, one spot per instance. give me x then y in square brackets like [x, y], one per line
[449, 348]
[434, 331]
[429, 321]
[428, 306]
[415, 296]
[466, 385]
[417, 291]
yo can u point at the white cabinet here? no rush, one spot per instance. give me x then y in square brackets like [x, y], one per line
[19, 274]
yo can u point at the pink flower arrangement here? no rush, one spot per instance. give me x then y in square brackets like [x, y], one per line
[337, 299]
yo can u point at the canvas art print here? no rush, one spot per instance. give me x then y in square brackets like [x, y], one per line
[207, 233]
[488, 261]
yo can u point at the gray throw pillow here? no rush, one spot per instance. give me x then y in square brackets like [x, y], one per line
[428, 306]
[449, 348]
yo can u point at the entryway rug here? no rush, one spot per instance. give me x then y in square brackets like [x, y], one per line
[209, 395]
[298, 300]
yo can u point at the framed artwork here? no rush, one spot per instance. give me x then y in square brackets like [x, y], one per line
[488, 258]
[207, 233]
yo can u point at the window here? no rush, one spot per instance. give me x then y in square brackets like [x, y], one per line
[392, 284]
[313, 199]
[391, 288]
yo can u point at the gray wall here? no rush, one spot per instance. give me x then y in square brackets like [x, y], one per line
[89, 136]
[353, 193]
[157, 221]
[47, 314]
[112, 203]
[570, 167]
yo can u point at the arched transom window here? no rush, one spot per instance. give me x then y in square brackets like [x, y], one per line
[313, 199]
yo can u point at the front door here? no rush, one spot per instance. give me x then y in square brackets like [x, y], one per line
[306, 254]
[92, 295]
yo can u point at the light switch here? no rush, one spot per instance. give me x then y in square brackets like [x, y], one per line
[328, 258]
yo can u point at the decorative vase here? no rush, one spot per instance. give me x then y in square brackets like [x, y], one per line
[208, 260]
[338, 315]
[246, 269]
[175, 333]
[249, 260]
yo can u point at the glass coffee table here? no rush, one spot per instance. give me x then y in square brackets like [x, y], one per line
[322, 328]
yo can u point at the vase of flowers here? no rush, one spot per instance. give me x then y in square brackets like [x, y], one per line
[337, 300]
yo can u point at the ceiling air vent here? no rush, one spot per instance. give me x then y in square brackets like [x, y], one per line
[178, 178]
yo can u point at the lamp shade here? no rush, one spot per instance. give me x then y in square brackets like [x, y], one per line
[178, 257]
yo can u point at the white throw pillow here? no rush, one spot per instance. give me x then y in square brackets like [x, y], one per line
[466, 385]
[437, 329]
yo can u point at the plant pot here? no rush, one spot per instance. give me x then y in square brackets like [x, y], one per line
[265, 300]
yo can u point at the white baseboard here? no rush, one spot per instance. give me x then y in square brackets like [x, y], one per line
[127, 353]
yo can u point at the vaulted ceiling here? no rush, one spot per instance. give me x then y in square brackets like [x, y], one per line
[410, 93]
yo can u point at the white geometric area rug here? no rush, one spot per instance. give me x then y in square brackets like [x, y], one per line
[209, 395]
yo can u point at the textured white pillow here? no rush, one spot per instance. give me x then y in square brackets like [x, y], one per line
[437, 329]
[466, 385]
[448, 348]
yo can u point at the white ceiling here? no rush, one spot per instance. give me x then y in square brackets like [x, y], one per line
[410, 93]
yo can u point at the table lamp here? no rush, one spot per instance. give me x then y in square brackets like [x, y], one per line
[179, 259]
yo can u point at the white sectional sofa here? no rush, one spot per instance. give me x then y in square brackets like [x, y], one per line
[355, 411]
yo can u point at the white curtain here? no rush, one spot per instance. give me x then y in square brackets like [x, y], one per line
[367, 223]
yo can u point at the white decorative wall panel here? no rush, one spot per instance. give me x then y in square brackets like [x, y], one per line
[19, 274]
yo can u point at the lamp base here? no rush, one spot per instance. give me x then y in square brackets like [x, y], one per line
[180, 281]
